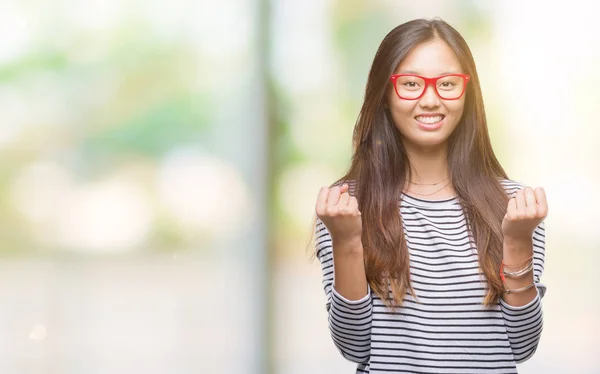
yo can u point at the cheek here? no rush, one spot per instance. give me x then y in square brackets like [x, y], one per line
[456, 109]
[403, 108]
[402, 115]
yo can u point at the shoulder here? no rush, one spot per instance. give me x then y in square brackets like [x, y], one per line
[511, 186]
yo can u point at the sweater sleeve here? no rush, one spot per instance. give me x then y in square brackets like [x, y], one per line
[349, 321]
[524, 323]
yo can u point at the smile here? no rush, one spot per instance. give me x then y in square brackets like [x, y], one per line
[430, 119]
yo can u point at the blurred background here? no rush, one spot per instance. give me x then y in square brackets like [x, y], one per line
[160, 161]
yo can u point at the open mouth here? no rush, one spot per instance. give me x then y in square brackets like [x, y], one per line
[430, 119]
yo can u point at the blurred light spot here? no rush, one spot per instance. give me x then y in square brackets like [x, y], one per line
[112, 215]
[202, 192]
[299, 188]
[38, 332]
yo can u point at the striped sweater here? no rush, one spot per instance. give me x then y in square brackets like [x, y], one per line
[448, 330]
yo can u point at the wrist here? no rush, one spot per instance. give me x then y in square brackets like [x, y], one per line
[347, 246]
[516, 250]
[514, 243]
[518, 239]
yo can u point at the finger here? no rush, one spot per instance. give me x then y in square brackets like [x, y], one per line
[511, 210]
[520, 200]
[531, 204]
[333, 197]
[322, 200]
[344, 188]
[540, 197]
[353, 204]
[344, 198]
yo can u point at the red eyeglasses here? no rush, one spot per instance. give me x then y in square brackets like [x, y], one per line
[447, 87]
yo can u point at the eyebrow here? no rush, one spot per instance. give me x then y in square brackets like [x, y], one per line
[417, 73]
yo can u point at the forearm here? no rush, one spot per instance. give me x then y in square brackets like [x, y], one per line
[524, 327]
[514, 252]
[522, 311]
[350, 313]
[350, 326]
[350, 279]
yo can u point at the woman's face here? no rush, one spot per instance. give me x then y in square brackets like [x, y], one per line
[428, 121]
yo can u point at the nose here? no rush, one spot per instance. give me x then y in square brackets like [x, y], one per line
[430, 99]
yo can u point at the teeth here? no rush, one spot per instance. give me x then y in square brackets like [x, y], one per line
[427, 119]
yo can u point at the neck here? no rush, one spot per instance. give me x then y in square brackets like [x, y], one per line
[427, 165]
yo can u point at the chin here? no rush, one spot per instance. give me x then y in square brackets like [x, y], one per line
[431, 141]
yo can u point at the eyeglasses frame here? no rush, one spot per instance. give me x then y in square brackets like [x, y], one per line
[430, 81]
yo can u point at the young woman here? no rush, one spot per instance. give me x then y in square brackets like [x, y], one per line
[431, 256]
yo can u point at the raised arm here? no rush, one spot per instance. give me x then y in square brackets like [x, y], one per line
[340, 252]
[524, 239]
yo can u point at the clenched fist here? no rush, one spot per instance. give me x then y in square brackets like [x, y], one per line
[526, 210]
[339, 212]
